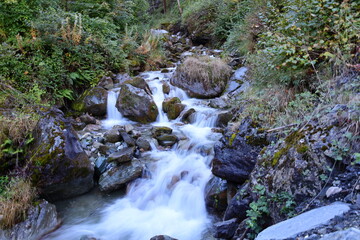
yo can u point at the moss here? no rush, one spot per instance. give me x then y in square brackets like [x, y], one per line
[263, 150]
[324, 148]
[232, 138]
[278, 155]
[261, 130]
[256, 141]
[302, 148]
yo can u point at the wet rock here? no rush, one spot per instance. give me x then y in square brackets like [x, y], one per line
[187, 115]
[162, 237]
[100, 165]
[112, 135]
[59, 167]
[173, 107]
[220, 102]
[166, 88]
[143, 143]
[157, 131]
[223, 119]
[236, 153]
[303, 222]
[40, 220]
[117, 177]
[167, 140]
[124, 155]
[128, 128]
[202, 77]
[121, 78]
[225, 229]
[216, 195]
[238, 205]
[92, 101]
[137, 105]
[106, 82]
[348, 234]
[141, 83]
[127, 139]
[87, 119]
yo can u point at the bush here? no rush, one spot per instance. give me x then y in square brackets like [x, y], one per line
[16, 197]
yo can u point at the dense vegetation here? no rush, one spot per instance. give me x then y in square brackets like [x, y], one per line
[52, 50]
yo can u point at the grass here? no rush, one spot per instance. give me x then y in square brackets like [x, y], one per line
[211, 71]
[15, 199]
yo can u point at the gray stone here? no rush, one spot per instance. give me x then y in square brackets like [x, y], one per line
[117, 177]
[166, 88]
[127, 139]
[93, 101]
[216, 195]
[167, 140]
[40, 220]
[112, 136]
[157, 131]
[124, 155]
[162, 237]
[348, 234]
[303, 222]
[100, 165]
[225, 229]
[143, 143]
[128, 128]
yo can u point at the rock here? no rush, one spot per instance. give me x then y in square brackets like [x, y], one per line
[240, 73]
[127, 139]
[348, 234]
[216, 195]
[238, 205]
[117, 177]
[223, 119]
[303, 222]
[40, 220]
[236, 153]
[166, 88]
[173, 107]
[92, 101]
[124, 155]
[187, 115]
[141, 83]
[162, 237]
[332, 191]
[112, 135]
[143, 143]
[220, 102]
[225, 229]
[202, 77]
[128, 128]
[121, 78]
[59, 167]
[106, 82]
[100, 165]
[87, 119]
[157, 131]
[135, 104]
[167, 140]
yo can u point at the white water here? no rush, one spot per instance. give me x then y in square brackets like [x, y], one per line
[169, 202]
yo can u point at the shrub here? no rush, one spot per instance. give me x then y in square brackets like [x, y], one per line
[16, 198]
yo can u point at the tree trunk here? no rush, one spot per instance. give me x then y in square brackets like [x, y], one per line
[164, 4]
[180, 10]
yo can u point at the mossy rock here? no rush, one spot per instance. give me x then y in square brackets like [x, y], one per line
[92, 101]
[173, 107]
[136, 104]
[58, 165]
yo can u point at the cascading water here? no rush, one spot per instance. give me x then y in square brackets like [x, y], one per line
[171, 200]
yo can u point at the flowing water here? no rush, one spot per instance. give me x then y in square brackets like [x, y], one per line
[171, 200]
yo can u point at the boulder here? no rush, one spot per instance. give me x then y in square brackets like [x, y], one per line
[106, 82]
[186, 117]
[236, 152]
[225, 229]
[118, 176]
[135, 104]
[166, 88]
[124, 155]
[348, 234]
[121, 78]
[202, 77]
[87, 119]
[304, 222]
[143, 143]
[126, 138]
[41, 219]
[157, 131]
[173, 107]
[216, 195]
[112, 135]
[92, 101]
[167, 140]
[141, 83]
[58, 166]
[238, 205]
[224, 118]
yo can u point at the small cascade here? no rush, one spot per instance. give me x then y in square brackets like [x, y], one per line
[114, 117]
[171, 200]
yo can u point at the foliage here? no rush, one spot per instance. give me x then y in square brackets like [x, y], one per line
[16, 197]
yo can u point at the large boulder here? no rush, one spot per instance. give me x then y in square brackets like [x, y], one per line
[202, 77]
[236, 153]
[40, 220]
[173, 107]
[136, 104]
[92, 101]
[216, 195]
[58, 166]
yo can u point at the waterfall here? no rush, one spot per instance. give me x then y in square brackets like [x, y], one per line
[171, 200]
